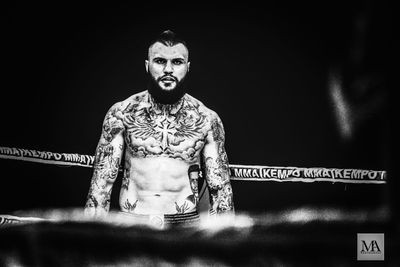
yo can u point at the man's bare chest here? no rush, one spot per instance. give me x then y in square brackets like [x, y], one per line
[180, 135]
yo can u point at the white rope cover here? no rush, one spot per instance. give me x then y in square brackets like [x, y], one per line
[238, 172]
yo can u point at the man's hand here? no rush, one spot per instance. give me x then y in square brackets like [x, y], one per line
[217, 168]
[106, 163]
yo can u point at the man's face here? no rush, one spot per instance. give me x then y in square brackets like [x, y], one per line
[167, 65]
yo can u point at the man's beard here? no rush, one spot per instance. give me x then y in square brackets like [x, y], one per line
[163, 96]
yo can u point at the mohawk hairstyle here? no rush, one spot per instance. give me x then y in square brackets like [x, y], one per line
[168, 38]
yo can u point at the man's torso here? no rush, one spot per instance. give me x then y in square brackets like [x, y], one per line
[161, 142]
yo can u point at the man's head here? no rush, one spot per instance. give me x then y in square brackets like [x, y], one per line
[167, 66]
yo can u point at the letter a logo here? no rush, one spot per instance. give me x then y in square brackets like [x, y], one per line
[370, 247]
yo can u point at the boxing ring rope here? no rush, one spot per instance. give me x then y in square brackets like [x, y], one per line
[238, 172]
[38, 233]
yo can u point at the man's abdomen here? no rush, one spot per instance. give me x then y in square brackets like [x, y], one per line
[157, 185]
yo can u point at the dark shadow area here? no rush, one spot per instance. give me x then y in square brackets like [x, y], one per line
[266, 70]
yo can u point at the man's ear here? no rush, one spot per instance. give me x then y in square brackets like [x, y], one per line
[188, 64]
[146, 65]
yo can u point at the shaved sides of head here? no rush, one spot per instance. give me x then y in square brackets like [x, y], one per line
[168, 38]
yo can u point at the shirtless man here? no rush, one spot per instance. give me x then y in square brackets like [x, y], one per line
[166, 135]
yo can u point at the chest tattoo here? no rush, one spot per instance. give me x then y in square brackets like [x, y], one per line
[178, 132]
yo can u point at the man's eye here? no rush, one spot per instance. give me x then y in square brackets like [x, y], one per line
[177, 62]
[159, 61]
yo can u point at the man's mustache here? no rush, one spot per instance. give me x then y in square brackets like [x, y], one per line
[167, 77]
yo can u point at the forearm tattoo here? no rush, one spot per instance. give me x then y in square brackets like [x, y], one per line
[217, 172]
[106, 164]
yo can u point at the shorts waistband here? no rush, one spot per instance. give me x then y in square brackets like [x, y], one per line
[182, 218]
[165, 219]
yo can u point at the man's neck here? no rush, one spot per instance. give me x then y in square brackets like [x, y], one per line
[169, 109]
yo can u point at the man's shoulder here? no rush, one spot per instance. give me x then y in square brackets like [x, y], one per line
[201, 106]
[132, 100]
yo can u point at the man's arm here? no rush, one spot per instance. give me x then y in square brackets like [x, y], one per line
[217, 168]
[106, 163]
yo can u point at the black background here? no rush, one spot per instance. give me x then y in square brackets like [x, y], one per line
[263, 69]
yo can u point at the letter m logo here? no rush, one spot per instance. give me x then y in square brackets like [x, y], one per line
[370, 247]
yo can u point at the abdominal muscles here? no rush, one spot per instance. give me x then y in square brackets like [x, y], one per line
[156, 185]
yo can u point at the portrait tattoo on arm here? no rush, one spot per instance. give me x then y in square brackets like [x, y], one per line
[106, 164]
[217, 169]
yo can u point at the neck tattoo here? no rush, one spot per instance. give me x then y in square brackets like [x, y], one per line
[165, 109]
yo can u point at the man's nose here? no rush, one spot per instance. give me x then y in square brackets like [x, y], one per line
[168, 67]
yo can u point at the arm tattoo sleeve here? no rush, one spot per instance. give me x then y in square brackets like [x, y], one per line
[217, 169]
[106, 164]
